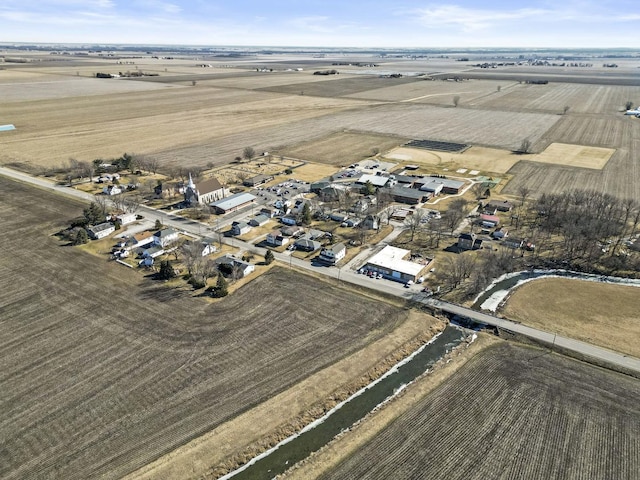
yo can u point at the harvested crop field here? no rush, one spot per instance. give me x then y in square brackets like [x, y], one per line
[511, 412]
[583, 311]
[103, 372]
[574, 156]
[339, 86]
[553, 97]
[342, 148]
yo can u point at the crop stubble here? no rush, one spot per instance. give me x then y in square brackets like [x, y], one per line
[102, 372]
[511, 412]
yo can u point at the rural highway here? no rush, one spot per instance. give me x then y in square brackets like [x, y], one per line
[344, 274]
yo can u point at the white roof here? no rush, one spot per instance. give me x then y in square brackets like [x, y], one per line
[392, 258]
[376, 180]
[233, 201]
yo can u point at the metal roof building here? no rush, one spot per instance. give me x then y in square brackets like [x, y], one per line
[232, 203]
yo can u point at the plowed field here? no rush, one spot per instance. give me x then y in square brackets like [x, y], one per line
[102, 372]
[511, 412]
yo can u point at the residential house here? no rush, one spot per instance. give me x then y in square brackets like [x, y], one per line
[338, 217]
[289, 221]
[276, 238]
[153, 252]
[269, 212]
[231, 264]
[466, 241]
[126, 218]
[240, 228]
[291, 230]
[333, 254]
[101, 230]
[371, 222]
[165, 237]
[500, 205]
[307, 245]
[112, 190]
[258, 220]
[500, 234]
[489, 221]
[138, 240]
[205, 247]
[513, 242]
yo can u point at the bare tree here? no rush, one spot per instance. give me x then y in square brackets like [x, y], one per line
[132, 203]
[414, 223]
[524, 192]
[478, 189]
[525, 146]
[628, 105]
[498, 88]
[103, 202]
[565, 109]
[248, 153]
[456, 100]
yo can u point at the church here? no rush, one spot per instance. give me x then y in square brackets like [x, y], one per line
[204, 192]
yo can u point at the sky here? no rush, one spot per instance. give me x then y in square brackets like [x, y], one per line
[328, 23]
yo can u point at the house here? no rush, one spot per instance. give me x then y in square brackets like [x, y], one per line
[233, 203]
[153, 252]
[500, 205]
[489, 221]
[146, 262]
[513, 242]
[333, 254]
[500, 234]
[276, 238]
[338, 217]
[289, 221]
[258, 220]
[112, 190]
[204, 192]
[391, 263]
[307, 245]
[204, 247]
[230, 264]
[240, 228]
[126, 218]
[351, 222]
[466, 241]
[138, 240]
[165, 237]
[371, 222]
[292, 230]
[269, 212]
[257, 180]
[101, 230]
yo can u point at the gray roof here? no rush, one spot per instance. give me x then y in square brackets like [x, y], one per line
[407, 192]
[305, 243]
[233, 201]
[165, 232]
[101, 227]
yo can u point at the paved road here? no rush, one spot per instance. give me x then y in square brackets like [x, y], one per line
[349, 275]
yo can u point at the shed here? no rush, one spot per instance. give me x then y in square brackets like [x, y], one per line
[258, 220]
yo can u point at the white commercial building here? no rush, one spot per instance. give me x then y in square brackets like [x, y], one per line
[392, 263]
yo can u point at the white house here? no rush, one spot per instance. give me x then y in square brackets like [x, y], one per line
[334, 253]
[112, 190]
[165, 237]
[277, 239]
[102, 230]
[240, 228]
[126, 218]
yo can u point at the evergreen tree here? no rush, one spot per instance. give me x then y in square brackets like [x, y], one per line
[94, 214]
[268, 257]
[221, 289]
[81, 237]
[306, 214]
[166, 270]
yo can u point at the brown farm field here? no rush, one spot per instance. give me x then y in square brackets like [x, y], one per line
[342, 148]
[103, 371]
[583, 311]
[511, 412]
